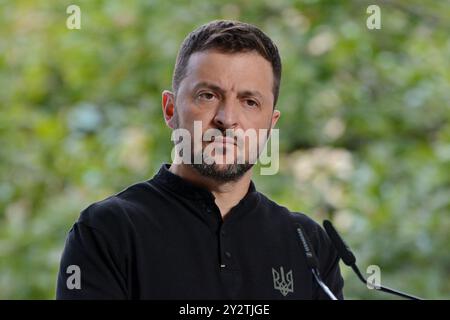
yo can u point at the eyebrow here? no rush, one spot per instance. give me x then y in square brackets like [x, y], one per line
[214, 87]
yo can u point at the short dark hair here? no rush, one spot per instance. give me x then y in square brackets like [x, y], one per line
[229, 37]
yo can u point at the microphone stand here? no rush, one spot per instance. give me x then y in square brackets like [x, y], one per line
[349, 259]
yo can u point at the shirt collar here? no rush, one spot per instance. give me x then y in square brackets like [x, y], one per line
[189, 190]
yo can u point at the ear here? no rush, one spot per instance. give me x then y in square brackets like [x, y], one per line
[168, 108]
[275, 116]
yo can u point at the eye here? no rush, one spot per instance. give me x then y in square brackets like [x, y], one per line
[251, 103]
[207, 96]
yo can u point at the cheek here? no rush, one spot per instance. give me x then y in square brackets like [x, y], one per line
[192, 112]
[257, 122]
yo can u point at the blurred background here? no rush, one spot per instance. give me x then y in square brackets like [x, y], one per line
[365, 135]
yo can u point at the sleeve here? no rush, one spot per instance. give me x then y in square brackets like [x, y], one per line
[89, 268]
[328, 265]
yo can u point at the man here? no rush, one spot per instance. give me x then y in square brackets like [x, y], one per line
[199, 229]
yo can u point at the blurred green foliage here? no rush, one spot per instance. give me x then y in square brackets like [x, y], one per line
[365, 135]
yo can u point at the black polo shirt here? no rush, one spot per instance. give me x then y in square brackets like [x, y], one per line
[165, 239]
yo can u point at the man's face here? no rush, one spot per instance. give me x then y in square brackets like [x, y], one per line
[225, 92]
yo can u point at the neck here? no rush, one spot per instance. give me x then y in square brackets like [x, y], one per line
[227, 194]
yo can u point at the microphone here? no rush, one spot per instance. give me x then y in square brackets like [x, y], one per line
[311, 261]
[349, 259]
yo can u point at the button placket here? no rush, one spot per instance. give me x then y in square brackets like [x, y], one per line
[225, 252]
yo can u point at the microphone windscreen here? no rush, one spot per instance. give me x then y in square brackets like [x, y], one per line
[341, 247]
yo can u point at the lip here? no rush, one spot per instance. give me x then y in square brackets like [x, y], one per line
[224, 140]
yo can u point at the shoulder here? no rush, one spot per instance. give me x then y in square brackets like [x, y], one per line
[280, 212]
[284, 216]
[114, 212]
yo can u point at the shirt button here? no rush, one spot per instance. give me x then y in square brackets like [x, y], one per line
[223, 233]
[227, 254]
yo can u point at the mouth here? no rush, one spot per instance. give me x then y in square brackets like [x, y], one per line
[223, 140]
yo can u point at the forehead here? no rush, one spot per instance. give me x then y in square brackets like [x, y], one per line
[243, 70]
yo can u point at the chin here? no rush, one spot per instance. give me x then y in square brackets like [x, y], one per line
[223, 172]
[222, 167]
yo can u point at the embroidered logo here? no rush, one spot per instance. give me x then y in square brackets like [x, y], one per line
[284, 282]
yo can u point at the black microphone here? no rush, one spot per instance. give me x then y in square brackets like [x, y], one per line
[349, 259]
[311, 261]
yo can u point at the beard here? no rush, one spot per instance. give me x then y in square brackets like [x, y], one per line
[228, 172]
[222, 171]
[219, 173]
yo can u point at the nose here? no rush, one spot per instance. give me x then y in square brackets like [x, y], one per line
[226, 116]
